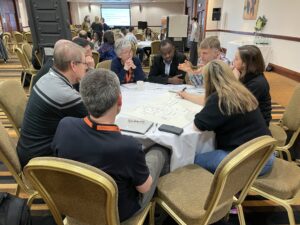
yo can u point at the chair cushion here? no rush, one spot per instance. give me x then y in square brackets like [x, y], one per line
[278, 133]
[185, 191]
[283, 180]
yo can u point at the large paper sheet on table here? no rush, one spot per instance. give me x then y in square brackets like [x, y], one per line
[169, 109]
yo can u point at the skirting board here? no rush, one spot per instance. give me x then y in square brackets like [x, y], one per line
[286, 72]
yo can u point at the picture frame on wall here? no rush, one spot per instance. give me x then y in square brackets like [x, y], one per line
[250, 9]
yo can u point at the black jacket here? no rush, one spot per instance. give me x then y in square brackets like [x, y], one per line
[157, 70]
[258, 85]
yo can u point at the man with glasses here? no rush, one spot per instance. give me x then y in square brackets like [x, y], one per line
[52, 98]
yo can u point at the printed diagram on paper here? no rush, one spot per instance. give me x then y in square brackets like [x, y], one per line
[170, 109]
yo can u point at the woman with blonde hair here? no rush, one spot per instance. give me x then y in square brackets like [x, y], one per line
[231, 111]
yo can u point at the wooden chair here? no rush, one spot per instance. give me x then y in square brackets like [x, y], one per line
[290, 121]
[27, 68]
[83, 193]
[13, 101]
[281, 185]
[104, 64]
[194, 196]
[96, 57]
[9, 157]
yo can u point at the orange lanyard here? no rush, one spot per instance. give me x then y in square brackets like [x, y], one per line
[128, 76]
[100, 127]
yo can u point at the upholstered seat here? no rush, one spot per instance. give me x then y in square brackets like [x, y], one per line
[8, 155]
[283, 181]
[189, 207]
[194, 196]
[13, 101]
[281, 185]
[290, 121]
[278, 133]
[106, 64]
[83, 193]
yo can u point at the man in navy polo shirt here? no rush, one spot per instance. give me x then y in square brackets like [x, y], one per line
[96, 141]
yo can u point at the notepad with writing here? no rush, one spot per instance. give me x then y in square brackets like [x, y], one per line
[134, 125]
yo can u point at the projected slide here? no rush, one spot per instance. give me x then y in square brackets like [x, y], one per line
[116, 17]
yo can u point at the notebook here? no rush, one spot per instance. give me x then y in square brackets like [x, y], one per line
[134, 125]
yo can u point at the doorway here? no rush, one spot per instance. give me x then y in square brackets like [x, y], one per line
[9, 18]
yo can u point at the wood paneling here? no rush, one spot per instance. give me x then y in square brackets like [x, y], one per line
[286, 72]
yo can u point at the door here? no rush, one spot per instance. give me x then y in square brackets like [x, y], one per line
[9, 18]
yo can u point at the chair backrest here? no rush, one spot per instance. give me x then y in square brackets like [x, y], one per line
[291, 116]
[13, 101]
[27, 50]
[75, 189]
[5, 40]
[236, 173]
[7, 34]
[104, 64]
[9, 156]
[39, 57]
[96, 57]
[139, 36]
[22, 58]
[18, 37]
[155, 47]
[28, 37]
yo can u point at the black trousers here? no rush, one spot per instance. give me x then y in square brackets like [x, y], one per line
[194, 53]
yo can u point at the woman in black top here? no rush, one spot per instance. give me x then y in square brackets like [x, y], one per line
[249, 68]
[231, 111]
[97, 28]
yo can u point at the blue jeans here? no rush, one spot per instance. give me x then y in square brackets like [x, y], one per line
[211, 160]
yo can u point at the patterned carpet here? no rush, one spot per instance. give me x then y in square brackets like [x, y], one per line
[257, 212]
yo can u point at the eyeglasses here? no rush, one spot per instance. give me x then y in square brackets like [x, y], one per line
[78, 62]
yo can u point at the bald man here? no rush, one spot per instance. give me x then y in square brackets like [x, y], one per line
[49, 63]
[52, 98]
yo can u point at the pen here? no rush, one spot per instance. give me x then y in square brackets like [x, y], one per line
[183, 89]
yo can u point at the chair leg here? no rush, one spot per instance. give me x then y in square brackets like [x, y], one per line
[152, 214]
[290, 213]
[31, 198]
[18, 190]
[241, 214]
[24, 78]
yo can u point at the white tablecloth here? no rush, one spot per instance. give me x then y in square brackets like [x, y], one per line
[232, 47]
[143, 44]
[184, 146]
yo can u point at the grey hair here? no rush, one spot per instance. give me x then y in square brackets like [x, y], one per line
[99, 89]
[121, 44]
[64, 53]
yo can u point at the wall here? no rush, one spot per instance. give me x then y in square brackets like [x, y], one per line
[23, 14]
[282, 18]
[150, 12]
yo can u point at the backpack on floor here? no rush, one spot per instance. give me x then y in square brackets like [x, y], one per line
[13, 210]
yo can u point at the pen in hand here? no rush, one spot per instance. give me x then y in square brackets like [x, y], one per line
[183, 89]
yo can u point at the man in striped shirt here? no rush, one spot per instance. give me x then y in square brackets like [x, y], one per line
[52, 98]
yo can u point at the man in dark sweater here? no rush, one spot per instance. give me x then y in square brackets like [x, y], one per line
[97, 141]
[52, 98]
[164, 69]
